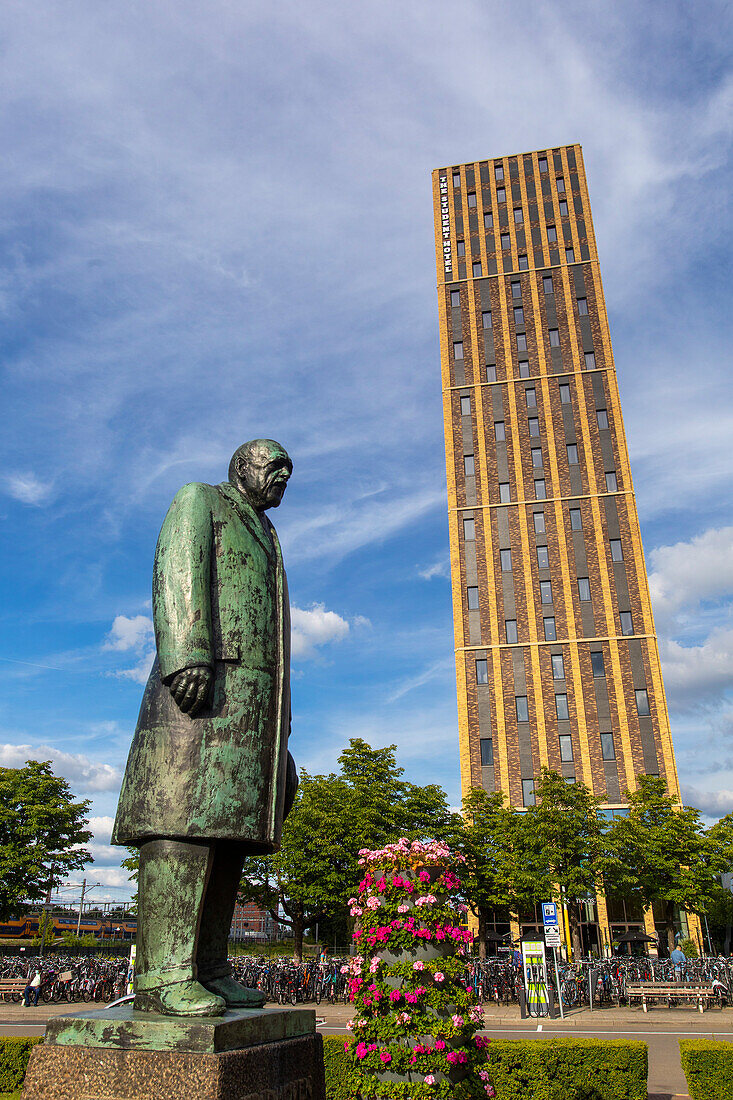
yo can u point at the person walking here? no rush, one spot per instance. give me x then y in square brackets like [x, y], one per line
[32, 989]
[678, 957]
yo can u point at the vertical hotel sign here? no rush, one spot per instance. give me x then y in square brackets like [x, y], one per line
[445, 222]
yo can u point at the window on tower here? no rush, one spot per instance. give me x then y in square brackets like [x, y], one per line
[617, 550]
[458, 349]
[469, 530]
[488, 220]
[642, 703]
[551, 234]
[465, 406]
[486, 318]
[545, 591]
[523, 263]
[608, 750]
[543, 557]
[549, 626]
[455, 298]
[584, 589]
[521, 341]
[471, 198]
[518, 216]
[469, 468]
[487, 752]
[505, 557]
[522, 708]
[566, 748]
[627, 625]
[472, 598]
[554, 338]
[561, 707]
[500, 194]
[597, 664]
[583, 307]
[558, 667]
[510, 626]
[499, 431]
[602, 418]
[572, 454]
[531, 398]
[505, 492]
[482, 672]
[540, 492]
[576, 519]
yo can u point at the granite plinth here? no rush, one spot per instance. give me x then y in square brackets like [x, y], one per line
[291, 1069]
[123, 1028]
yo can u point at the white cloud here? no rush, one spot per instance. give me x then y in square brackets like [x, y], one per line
[689, 572]
[313, 627]
[697, 675]
[134, 633]
[27, 488]
[83, 774]
[439, 568]
[129, 633]
[710, 803]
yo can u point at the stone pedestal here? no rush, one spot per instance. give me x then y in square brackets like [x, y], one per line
[120, 1054]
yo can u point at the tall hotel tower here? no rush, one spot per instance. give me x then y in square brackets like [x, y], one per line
[557, 662]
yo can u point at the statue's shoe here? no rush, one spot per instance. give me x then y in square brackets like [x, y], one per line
[235, 995]
[181, 999]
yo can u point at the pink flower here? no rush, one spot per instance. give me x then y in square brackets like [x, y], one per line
[361, 1050]
[403, 908]
[418, 965]
[439, 976]
[374, 964]
[385, 1057]
[457, 1021]
[489, 1090]
[440, 1044]
[429, 1080]
[456, 1057]
[424, 876]
[481, 1042]
[346, 1045]
[420, 991]
[411, 998]
[372, 903]
[395, 996]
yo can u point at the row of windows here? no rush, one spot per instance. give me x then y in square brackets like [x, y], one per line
[548, 288]
[540, 485]
[499, 178]
[589, 357]
[626, 621]
[533, 422]
[598, 667]
[608, 752]
[523, 366]
[505, 242]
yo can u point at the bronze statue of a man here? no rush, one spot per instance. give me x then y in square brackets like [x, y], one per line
[209, 778]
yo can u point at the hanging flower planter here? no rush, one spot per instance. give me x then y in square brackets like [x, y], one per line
[414, 1025]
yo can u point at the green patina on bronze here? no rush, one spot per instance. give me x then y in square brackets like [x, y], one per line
[124, 1029]
[209, 778]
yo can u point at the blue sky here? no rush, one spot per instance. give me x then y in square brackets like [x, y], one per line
[217, 224]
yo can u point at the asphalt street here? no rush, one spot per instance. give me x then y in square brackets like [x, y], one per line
[660, 1028]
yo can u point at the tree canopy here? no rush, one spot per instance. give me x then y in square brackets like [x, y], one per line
[365, 805]
[42, 831]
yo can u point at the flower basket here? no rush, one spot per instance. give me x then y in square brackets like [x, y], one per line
[414, 1024]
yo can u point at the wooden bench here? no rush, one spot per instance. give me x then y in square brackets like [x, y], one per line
[9, 987]
[673, 993]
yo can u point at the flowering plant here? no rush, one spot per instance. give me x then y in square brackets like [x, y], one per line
[414, 1024]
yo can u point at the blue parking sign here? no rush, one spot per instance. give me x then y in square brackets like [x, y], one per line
[549, 914]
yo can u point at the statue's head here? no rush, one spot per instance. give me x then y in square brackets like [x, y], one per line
[260, 469]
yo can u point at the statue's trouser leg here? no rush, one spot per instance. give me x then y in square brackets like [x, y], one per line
[171, 887]
[218, 910]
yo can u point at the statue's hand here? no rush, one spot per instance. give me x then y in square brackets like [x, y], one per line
[190, 688]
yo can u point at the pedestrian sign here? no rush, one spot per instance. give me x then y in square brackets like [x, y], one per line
[549, 915]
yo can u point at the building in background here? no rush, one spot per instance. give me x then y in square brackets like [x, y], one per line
[252, 923]
[557, 661]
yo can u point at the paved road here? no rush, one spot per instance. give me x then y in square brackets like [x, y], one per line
[660, 1028]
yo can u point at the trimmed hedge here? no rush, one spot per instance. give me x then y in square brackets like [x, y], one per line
[338, 1068]
[568, 1069]
[539, 1069]
[14, 1055]
[708, 1066]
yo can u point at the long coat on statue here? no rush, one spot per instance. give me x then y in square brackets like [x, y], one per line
[220, 599]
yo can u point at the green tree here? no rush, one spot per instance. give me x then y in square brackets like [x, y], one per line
[42, 830]
[560, 844]
[365, 805]
[492, 878]
[661, 853]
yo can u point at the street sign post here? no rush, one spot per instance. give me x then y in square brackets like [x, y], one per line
[552, 939]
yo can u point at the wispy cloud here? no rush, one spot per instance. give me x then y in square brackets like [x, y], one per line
[83, 774]
[28, 488]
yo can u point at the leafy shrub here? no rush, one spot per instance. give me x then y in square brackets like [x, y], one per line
[14, 1055]
[339, 1083]
[568, 1069]
[689, 949]
[708, 1067]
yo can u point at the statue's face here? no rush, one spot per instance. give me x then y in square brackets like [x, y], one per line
[265, 476]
